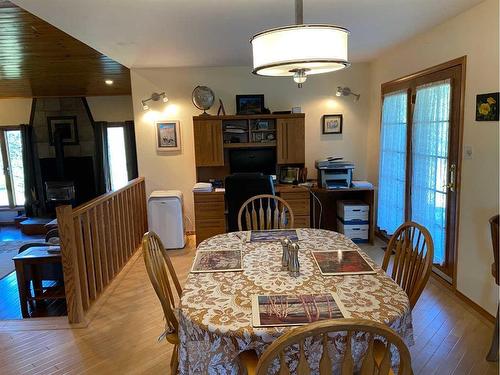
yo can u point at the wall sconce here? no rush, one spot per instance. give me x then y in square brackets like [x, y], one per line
[346, 91]
[154, 97]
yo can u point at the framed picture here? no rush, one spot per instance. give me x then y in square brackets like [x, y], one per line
[65, 126]
[487, 107]
[249, 104]
[332, 124]
[168, 136]
[293, 310]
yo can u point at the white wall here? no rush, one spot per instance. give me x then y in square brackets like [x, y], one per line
[111, 108]
[15, 111]
[475, 34]
[316, 98]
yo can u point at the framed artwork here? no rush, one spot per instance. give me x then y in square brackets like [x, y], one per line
[249, 104]
[332, 124]
[292, 310]
[65, 126]
[217, 261]
[341, 262]
[168, 136]
[487, 107]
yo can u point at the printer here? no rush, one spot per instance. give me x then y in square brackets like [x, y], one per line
[334, 173]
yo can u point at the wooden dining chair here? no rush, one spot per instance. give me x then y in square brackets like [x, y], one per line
[265, 211]
[162, 274]
[371, 361]
[413, 255]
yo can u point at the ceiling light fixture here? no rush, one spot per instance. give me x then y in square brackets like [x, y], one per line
[300, 50]
[108, 82]
[154, 97]
[346, 91]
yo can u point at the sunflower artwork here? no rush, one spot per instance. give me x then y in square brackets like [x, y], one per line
[487, 107]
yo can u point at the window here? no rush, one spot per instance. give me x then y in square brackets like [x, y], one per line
[11, 163]
[117, 157]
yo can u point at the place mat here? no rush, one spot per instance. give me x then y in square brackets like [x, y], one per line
[273, 235]
[217, 261]
[341, 262]
[292, 310]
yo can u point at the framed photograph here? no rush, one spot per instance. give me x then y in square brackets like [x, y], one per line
[341, 262]
[249, 104]
[217, 261]
[168, 136]
[65, 126]
[332, 124]
[293, 310]
[487, 107]
[273, 235]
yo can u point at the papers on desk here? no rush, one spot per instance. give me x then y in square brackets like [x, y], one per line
[202, 187]
[295, 309]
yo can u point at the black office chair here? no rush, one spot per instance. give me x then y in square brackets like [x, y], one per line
[240, 187]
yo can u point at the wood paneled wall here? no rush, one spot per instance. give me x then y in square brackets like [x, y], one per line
[97, 239]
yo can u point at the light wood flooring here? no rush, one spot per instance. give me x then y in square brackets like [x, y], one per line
[121, 338]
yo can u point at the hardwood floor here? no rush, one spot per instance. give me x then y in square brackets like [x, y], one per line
[450, 337]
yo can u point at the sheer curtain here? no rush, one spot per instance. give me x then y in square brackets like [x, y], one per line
[392, 169]
[430, 134]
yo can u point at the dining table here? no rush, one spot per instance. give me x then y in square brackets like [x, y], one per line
[215, 311]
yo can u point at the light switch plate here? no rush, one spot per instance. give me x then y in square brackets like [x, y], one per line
[467, 152]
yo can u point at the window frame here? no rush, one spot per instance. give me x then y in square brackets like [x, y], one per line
[7, 170]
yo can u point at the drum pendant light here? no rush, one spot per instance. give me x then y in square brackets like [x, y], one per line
[300, 50]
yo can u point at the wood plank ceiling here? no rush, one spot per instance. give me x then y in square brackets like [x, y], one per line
[39, 60]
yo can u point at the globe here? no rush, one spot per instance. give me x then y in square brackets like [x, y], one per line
[203, 98]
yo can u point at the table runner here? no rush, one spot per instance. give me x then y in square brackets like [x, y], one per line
[215, 316]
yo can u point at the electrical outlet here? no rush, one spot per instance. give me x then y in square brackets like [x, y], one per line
[467, 152]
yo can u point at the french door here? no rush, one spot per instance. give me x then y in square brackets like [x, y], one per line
[11, 164]
[419, 157]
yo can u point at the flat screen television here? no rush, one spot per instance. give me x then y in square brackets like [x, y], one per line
[251, 160]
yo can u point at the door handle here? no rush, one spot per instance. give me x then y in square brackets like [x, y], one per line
[451, 181]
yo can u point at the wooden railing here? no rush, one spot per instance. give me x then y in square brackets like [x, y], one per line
[97, 239]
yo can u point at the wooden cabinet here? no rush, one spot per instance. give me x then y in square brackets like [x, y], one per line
[208, 145]
[299, 202]
[209, 215]
[290, 137]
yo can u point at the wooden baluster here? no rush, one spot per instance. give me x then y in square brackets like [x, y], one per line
[144, 206]
[385, 365]
[118, 229]
[368, 365]
[113, 234]
[69, 261]
[283, 366]
[303, 366]
[128, 216]
[347, 362]
[325, 363]
[89, 256]
[133, 219]
[82, 267]
[102, 244]
[96, 250]
[123, 222]
[254, 217]
[108, 238]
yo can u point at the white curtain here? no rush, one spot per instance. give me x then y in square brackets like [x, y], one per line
[430, 130]
[392, 168]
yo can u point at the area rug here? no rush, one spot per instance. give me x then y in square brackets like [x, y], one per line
[8, 249]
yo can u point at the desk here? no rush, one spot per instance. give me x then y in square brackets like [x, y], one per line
[210, 208]
[26, 270]
[329, 200]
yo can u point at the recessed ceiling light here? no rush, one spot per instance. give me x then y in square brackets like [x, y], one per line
[108, 82]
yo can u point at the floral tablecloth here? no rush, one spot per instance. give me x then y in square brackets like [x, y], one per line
[215, 313]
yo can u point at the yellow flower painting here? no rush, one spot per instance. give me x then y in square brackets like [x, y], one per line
[487, 107]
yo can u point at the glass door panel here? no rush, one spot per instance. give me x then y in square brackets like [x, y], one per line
[4, 195]
[392, 170]
[117, 157]
[16, 170]
[430, 145]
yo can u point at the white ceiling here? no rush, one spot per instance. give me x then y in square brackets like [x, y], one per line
[171, 33]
